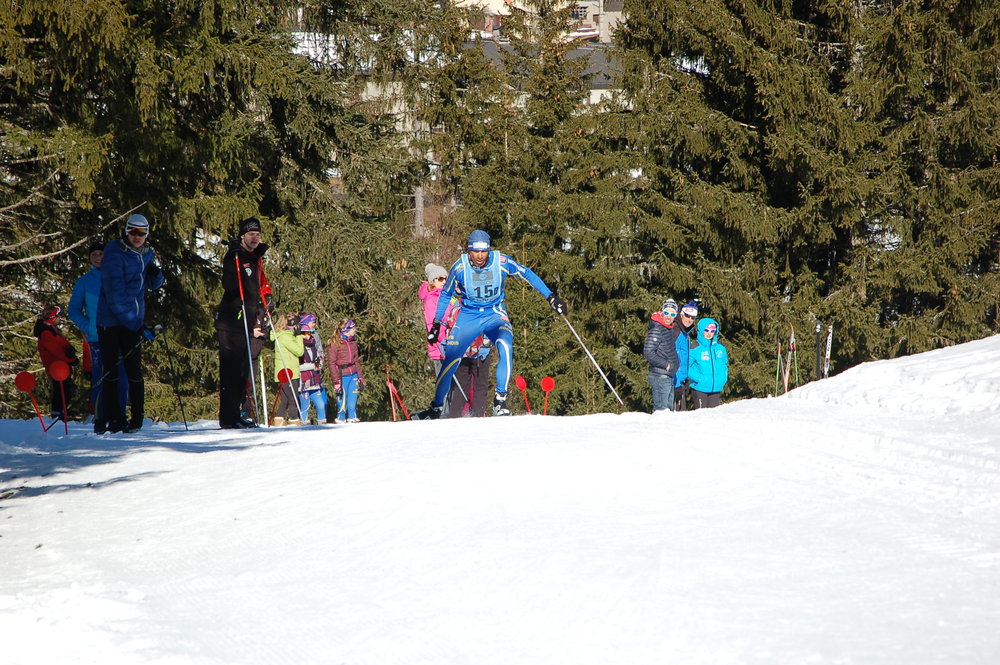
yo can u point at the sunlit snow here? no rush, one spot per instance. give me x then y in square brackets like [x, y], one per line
[853, 521]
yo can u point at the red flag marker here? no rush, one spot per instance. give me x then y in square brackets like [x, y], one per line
[25, 382]
[523, 387]
[548, 383]
[394, 396]
[59, 371]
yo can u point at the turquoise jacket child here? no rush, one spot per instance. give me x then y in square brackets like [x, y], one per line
[709, 361]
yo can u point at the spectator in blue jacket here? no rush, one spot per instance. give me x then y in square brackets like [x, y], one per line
[83, 312]
[709, 370]
[660, 351]
[683, 327]
[128, 270]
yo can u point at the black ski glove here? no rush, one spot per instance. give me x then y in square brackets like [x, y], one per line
[432, 334]
[558, 304]
[153, 272]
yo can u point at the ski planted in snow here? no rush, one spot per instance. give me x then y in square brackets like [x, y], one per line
[829, 346]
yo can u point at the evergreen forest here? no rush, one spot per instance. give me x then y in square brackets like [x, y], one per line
[785, 163]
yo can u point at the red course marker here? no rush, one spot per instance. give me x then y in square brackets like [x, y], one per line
[548, 383]
[25, 382]
[523, 387]
[59, 371]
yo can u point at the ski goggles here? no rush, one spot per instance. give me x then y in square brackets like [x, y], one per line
[348, 325]
[711, 328]
[670, 312]
[479, 246]
[689, 311]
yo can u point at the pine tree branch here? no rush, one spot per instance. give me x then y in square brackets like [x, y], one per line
[79, 243]
[32, 194]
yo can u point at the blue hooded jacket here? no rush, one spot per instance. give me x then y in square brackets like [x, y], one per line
[83, 303]
[124, 282]
[709, 361]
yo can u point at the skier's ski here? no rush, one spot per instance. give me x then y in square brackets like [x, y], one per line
[829, 346]
[819, 350]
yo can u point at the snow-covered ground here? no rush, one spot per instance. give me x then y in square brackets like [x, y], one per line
[853, 521]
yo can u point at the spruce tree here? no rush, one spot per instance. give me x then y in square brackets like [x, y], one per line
[927, 79]
[749, 162]
[196, 117]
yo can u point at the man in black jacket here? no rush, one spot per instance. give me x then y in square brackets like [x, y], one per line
[239, 320]
[660, 352]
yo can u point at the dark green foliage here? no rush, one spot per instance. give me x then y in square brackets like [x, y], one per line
[785, 162]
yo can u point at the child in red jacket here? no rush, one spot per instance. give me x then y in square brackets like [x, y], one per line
[52, 346]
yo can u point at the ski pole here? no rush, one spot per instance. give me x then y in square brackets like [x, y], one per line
[263, 392]
[173, 374]
[459, 385]
[246, 330]
[589, 355]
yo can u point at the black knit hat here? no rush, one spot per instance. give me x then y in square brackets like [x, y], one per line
[96, 246]
[250, 224]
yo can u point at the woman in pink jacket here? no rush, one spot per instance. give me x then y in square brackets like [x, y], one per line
[430, 292]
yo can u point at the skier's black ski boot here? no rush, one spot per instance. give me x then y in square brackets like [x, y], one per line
[500, 405]
[433, 413]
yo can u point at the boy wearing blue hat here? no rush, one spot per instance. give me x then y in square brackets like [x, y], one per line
[479, 275]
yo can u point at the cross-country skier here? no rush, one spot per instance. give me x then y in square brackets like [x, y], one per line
[480, 275]
[239, 318]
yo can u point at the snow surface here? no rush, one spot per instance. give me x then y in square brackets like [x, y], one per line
[852, 521]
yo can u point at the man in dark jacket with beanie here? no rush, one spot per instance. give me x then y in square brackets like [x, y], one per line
[246, 299]
[660, 352]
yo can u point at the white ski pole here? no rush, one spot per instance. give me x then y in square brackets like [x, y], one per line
[587, 351]
[263, 392]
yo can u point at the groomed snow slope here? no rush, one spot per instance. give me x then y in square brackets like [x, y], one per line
[853, 521]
